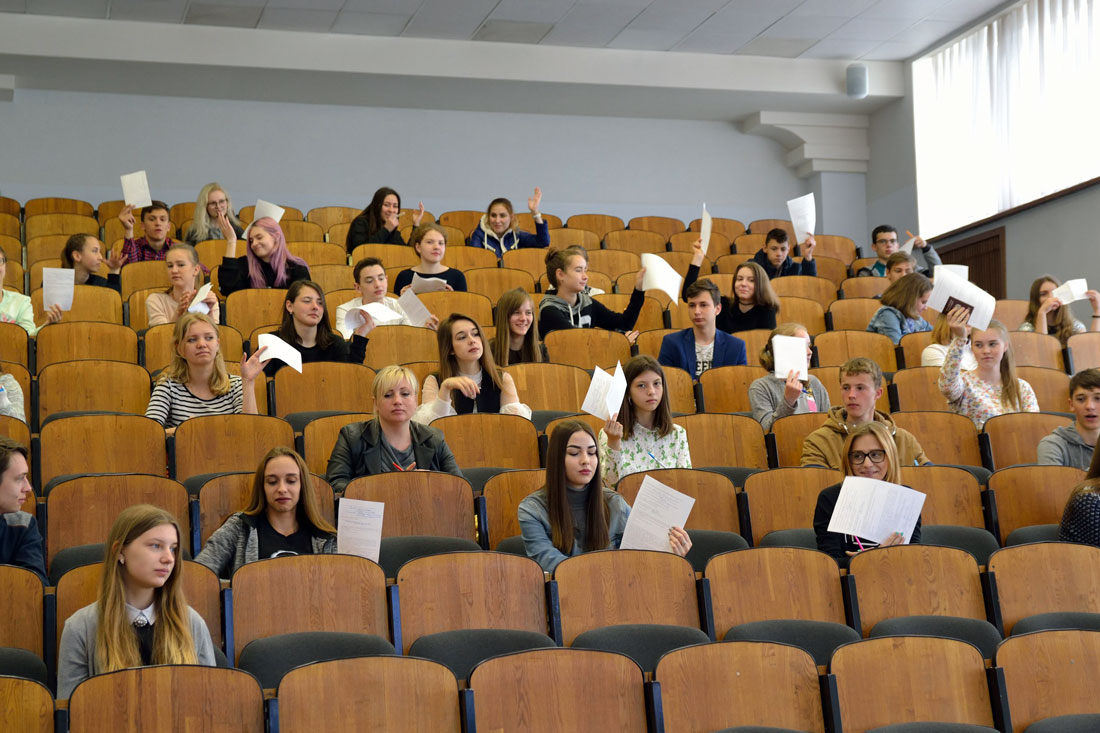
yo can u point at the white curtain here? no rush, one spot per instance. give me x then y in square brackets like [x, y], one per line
[1008, 114]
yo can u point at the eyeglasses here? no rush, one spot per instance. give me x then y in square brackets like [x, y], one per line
[219, 204]
[858, 457]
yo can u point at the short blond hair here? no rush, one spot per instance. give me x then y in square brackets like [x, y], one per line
[389, 377]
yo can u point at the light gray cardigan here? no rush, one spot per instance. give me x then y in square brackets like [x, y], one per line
[76, 653]
[768, 404]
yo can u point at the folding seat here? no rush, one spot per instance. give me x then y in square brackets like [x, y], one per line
[725, 389]
[681, 391]
[327, 216]
[724, 440]
[36, 225]
[650, 317]
[835, 245]
[809, 313]
[33, 207]
[715, 498]
[857, 288]
[227, 442]
[1037, 349]
[67, 341]
[728, 264]
[90, 303]
[466, 220]
[789, 433]
[1032, 495]
[1011, 313]
[1048, 677]
[547, 386]
[587, 347]
[22, 590]
[107, 443]
[763, 226]
[525, 221]
[719, 244]
[853, 312]
[785, 498]
[649, 342]
[330, 277]
[819, 289]
[473, 305]
[468, 258]
[492, 282]
[600, 224]
[666, 226]
[1051, 386]
[393, 255]
[569, 237]
[301, 231]
[27, 705]
[834, 348]
[483, 440]
[503, 494]
[1046, 578]
[831, 269]
[1085, 349]
[945, 436]
[1013, 438]
[911, 347]
[324, 385]
[247, 310]
[730, 228]
[419, 503]
[636, 241]
[612, 262]
[530, 260]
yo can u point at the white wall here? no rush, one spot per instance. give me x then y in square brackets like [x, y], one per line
[892, 174]
[76, 144]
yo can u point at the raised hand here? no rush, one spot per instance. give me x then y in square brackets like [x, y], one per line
[126, 216]
[639, 279]
[534, 201]
[792, 388]
[956, 320]
[252, 366]
[115, 261]
[367, 326]
[808, 248]
[697, 252]
[419, 215]
[613, 429]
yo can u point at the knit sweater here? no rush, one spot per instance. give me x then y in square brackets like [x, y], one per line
[970, 395]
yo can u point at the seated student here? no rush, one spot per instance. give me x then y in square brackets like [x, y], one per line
[641, 435]
[391, 441]
[306, 327]
[282, 518]
[1081, 517]
[16, 308]
[702, 346]
[267, 262]
[571, 307]
[468, 379]
[884, 241]
[935, 352]
[772, 398]
[156, 240]
[869, 452]
[84, 254]
[752, 304]
[379, 222]
[212, 203]
[902, 305]
[11, 396]
[430, 242]
[515, 316]
[1072, 445]
[860, 387]
[775, 258]
[1045, 313]
[993, 388]
[898, 265]
[497, 230]
[196, 383]
[141, 617]
[20, 540]
[185, 274]
[573, 513]
[371, 284]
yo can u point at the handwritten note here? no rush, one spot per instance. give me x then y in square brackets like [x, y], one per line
[659, 275]
[950, 291]
[706, 224]
[1070, 291]
[58, 285]
[281, 350]
[197, 306]
[875, 509]
[415, 311]
[135, 190]
[803, 216]
[656, 509]
[427, 284]
[789, 353]
[605, 393]
[360, 528]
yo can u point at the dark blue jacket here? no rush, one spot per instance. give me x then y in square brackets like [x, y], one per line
[678, 350]
[483, 236]
[21, 543]
[789, 266]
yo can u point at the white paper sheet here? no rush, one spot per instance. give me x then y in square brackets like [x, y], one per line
[360, 528]
[281, 350]
[659, 275]
[197, 306]
[960, 270]
[135, 190]
[790, 353]
[427, 284]
[353, 319]
[951, 290]
[264, 209]
[1071, 290]
[803, 216]
[705, 227]
[907, 246]
[417, 313]
[605, 392]
[874, 510]
[656, 509]
[58, 285]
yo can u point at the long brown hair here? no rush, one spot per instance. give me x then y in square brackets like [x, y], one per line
[767, 358]
[508, 304]
[904, 293]
[762, 292]
[179, 371]
[448, 364]
[1091, 484]
[116, 644]
[1060, 325]
[308, 512]
[1011, 398]
[325, 335]
[882, 435]
[558, 259]
[662, 419]
[597, 534]
[941, 331]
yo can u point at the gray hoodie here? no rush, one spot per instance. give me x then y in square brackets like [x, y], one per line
[1065, 447]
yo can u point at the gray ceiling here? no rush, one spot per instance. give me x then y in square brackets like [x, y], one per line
[818, 29]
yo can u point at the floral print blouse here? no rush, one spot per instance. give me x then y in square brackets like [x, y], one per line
[670, 451]
[969, 395]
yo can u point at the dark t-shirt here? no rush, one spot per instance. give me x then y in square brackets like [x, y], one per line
[273, 544]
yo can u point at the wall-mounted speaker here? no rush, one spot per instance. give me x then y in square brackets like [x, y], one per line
[858, 75]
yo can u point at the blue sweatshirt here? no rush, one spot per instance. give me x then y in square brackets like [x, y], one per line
[21, 543]
[484, 236]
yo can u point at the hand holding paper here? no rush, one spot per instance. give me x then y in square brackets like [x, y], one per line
[950, 291]
[803, 216]
[789, 353]
[281, 350]
[354, 317]
[197, 305]
[705, 226]
[427, 284]
[876, 509]
[135, 190]
[656, 510]
[58, 286]
[659, 275]
[605, 393]
[1070, 291]
[414, 308]
[360, 528]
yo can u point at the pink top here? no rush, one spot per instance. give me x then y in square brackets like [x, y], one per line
[971, 396]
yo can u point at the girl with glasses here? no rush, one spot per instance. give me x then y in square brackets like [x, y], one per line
[869, 452]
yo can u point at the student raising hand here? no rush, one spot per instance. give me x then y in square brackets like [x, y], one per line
[639, 279]
[697, 252]
[956, 321]
[808, 248]
[534, 201]
[115, 261]
[614, 430]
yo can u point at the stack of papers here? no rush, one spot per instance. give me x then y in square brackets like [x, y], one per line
[875, 509]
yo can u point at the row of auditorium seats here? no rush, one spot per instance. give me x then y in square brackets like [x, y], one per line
[646, 605]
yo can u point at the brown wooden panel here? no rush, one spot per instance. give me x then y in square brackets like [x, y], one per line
[26, 705]
[791, 431]
[1050, 674]
[1030, 495]
[1046, 577]
[227, 442]
[952, 495]
[726, 389]
[503, 441]
[419, 502]
[784, 498]
[503, 494]
[545, 386]
[944, 436]
[108, 443]
[22, 593]
[724, 440]
[984, 254]
[715, 497]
